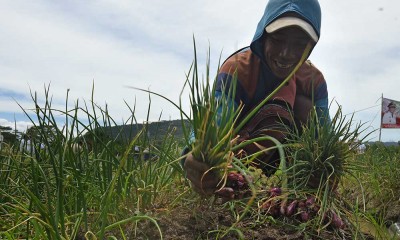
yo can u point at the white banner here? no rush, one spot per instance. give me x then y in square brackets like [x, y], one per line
[390, 113]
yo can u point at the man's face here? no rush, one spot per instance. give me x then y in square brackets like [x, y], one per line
[392, 109]
[284, 48]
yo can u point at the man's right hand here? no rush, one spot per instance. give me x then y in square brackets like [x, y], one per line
[204, 181]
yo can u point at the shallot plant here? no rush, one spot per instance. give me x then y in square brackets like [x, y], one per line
[99, 189]
[214, 120]
[319, 155]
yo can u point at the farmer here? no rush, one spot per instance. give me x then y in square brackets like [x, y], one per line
[281, 38]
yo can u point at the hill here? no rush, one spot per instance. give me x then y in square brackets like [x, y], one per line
[154, 130]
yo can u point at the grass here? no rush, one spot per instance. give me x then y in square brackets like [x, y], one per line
[106, 190]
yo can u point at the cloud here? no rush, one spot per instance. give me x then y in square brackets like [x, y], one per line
[77, 44]
[21, 126]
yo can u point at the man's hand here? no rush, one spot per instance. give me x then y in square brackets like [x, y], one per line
[207, 182]
[204, 181]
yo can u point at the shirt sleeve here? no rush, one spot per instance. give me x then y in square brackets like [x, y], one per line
[311, 83]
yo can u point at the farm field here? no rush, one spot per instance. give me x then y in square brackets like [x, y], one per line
[90, 178]
[80, 183]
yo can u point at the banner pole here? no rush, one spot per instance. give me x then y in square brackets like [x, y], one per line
[380, 122]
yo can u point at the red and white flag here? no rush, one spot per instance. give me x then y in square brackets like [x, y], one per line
[390, 113]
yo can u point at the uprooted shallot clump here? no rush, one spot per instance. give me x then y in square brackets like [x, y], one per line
[236, 187]
[304, 210]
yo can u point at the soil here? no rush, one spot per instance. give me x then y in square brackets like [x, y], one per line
[211, 220]
[189, 226]
[205, 222]
[393, 213]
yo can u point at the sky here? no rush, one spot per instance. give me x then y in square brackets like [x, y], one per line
[77, 46]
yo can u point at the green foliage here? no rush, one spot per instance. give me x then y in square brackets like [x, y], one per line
[319, 154]
[62, 193]
[82, 180]
[10, 136]
[87, 183]
[380, 175]
[213, 119]
[373, 187]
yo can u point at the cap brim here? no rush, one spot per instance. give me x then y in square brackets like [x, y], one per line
[292, 21]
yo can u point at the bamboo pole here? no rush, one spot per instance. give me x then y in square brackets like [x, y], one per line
[380, 121]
